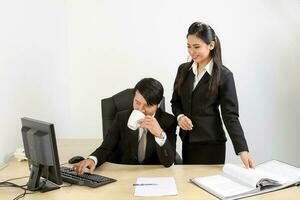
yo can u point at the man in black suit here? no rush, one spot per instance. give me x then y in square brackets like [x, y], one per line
[157, 126]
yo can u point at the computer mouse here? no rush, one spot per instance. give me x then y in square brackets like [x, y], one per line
[75, 159]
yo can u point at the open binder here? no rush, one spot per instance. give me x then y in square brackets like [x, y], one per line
[237, 182]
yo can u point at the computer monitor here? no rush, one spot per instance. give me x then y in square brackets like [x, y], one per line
[41, 150]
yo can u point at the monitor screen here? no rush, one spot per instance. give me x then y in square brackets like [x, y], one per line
[41, 150]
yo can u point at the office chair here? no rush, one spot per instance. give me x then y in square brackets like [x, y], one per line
[119, 102]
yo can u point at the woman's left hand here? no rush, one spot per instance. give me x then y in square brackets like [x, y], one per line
[247, 160]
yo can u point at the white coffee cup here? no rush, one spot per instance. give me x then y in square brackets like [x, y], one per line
[135, 116]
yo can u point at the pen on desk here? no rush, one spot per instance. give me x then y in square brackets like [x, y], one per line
[143, 184]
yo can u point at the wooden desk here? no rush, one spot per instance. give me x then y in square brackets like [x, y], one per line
[126, 176]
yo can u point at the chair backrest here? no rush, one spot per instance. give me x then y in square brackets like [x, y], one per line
[118, 102]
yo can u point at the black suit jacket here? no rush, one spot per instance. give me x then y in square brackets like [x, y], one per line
[204, 112]
[124, 142]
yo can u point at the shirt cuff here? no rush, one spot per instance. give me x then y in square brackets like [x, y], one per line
[93, 158]
[161, 141]
[242, 152]
[178, 117]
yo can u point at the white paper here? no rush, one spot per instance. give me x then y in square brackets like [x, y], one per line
[282, 172]
[248, 176]
[237, 182]
[155, 186]
[242, 175]
[222, 186]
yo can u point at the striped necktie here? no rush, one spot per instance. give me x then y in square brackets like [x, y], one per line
[142, 146]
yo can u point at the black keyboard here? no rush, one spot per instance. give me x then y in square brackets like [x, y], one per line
[86, 179]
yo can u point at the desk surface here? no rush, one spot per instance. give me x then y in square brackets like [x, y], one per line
[126, 176]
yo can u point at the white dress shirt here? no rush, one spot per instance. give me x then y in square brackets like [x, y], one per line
[199, 74]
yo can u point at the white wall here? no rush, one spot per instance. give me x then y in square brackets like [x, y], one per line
[98, 48]
[32, 67]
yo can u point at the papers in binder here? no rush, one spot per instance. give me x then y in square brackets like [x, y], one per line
[237, 182]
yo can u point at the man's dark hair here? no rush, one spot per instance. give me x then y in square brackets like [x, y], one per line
[151, 89]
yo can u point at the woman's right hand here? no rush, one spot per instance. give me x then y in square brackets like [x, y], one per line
[185, 123]
[80, 167]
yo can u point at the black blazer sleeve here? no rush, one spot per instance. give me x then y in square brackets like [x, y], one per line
[176, 100]
[230, 113]
[108, 146]
[166, 153]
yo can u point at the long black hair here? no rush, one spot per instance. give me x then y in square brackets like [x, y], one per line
[207, 34]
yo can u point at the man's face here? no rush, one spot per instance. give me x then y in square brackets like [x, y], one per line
[139, 103]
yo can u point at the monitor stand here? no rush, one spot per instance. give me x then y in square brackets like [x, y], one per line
[36, 182]
[48, 186]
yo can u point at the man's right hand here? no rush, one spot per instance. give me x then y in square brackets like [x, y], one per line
[80, 167]
[185, 123]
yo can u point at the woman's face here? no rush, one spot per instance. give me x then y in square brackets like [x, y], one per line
[198, 49]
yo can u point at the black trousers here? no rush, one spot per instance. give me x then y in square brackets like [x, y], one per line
[199, 153]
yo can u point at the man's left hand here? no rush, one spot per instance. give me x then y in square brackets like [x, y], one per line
[152, 125]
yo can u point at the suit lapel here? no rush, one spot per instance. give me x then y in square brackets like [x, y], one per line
[189, 83]
[187, 92]
[149, 145]
[133, 137]
[202, 81]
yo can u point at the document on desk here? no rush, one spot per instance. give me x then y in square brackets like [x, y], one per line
[155, 186]
[237, 182]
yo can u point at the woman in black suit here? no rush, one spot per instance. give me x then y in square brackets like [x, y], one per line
[200, 87]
